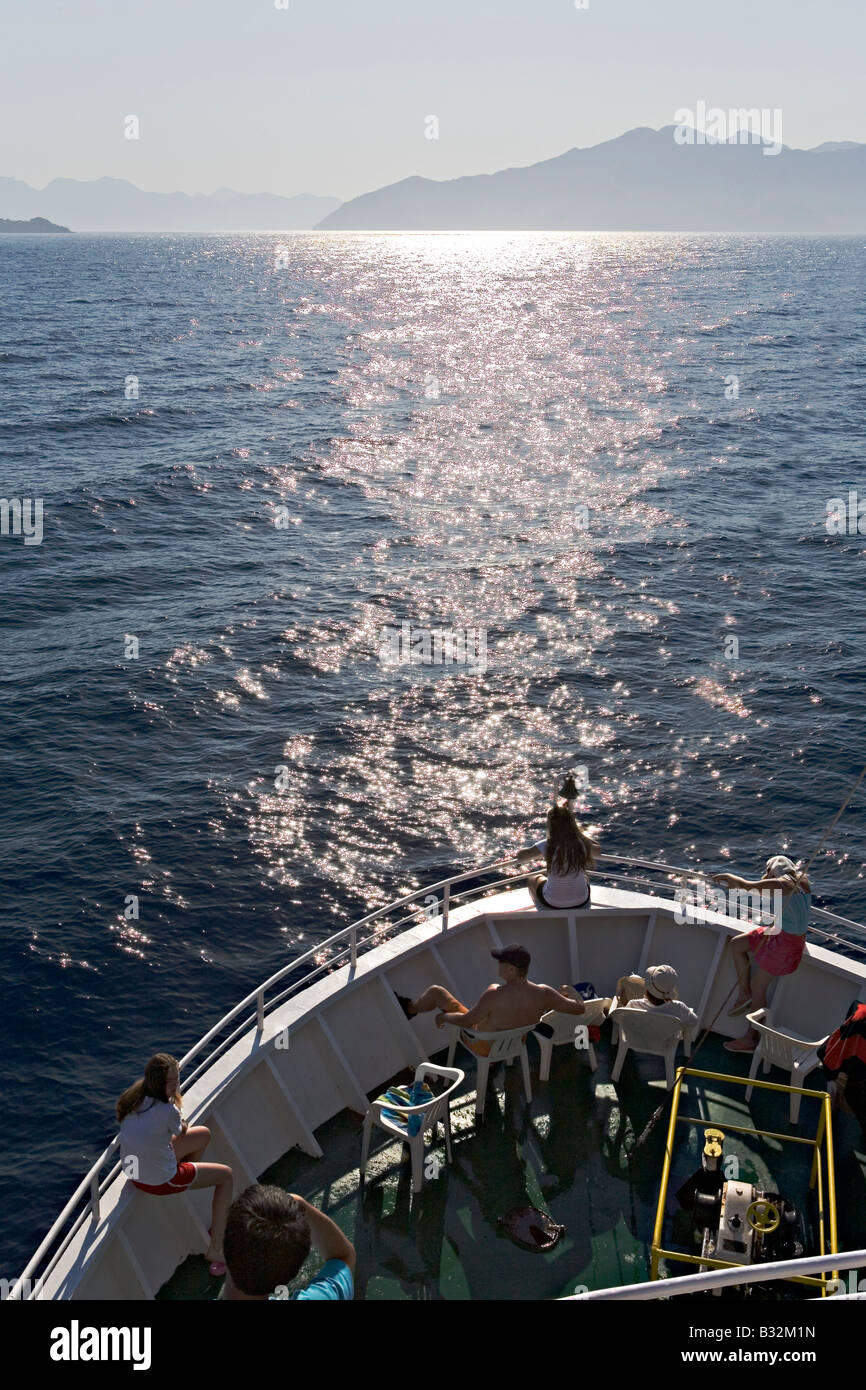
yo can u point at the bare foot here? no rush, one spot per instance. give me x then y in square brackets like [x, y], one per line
[740, 1045]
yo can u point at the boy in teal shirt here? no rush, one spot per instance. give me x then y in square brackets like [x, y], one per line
[268, 1237]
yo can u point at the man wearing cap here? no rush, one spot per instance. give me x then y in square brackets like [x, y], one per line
[512, 1004]
[660, 996]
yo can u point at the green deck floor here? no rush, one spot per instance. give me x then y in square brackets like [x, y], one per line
[566, 1153]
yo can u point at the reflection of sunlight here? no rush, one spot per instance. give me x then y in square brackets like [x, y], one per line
[716, 694]
[491, 432]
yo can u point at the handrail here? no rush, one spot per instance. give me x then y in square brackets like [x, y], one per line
[317, 957]
[722, 1278]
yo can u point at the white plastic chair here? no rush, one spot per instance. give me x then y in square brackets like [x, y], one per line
[790, 1051]
[688, 1033]
[439, 1108]
[654, 1033]
[563, 1026]
[505, 1046]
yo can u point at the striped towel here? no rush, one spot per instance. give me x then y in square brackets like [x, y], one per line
[416, 1094]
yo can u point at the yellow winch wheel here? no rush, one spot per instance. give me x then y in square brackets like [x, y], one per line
[763, 1216]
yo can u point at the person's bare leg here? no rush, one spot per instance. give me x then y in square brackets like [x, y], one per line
[218, 1176]
[436, 997]
[533, 883]
[761, 981]
[740, 953]
[189, 1147]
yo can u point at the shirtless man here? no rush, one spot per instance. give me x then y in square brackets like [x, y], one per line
[515, 1002]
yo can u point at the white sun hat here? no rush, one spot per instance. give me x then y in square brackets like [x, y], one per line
[661, 980]
[779, 866]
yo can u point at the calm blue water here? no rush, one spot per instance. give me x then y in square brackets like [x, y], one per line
[433, 415]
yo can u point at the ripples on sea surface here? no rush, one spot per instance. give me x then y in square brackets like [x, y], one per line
[427, 417]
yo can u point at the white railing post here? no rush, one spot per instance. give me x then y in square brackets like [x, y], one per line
[260, 1010]
[353, 947]
[94, 1196]
[446, 901]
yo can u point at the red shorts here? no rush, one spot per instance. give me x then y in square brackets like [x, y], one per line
[779, 954]
[179, 1183]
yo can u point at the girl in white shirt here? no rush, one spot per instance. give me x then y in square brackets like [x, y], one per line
[569, 853]
[158, 1150]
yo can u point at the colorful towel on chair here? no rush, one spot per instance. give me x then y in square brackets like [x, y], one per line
[416, 1094]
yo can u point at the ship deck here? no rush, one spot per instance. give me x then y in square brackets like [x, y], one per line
[566, 1153]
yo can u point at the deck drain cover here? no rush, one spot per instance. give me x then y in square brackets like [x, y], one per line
[530, 1228]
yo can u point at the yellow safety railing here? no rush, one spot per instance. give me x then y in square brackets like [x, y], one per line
[823, 1137]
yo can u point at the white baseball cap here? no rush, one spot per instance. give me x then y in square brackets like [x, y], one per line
[661, 980]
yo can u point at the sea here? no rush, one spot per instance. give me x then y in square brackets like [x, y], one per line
[325, 556]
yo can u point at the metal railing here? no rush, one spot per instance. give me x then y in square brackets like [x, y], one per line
[344, 947]
[724, 1278]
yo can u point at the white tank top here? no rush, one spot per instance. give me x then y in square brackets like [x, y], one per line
[563, 890]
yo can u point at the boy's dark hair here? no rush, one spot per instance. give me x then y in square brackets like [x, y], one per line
[267, 1239]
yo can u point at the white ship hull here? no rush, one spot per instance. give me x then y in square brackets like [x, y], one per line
[333, 1041]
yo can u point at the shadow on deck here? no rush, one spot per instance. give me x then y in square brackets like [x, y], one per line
[567, 1153]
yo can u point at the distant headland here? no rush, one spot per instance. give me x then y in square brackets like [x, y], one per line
[36, 224]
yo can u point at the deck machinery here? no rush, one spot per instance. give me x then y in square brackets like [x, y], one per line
[736, 1222]
[739, 1222]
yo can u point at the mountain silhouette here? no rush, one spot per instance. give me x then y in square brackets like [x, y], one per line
[115, 205]
[641, 181]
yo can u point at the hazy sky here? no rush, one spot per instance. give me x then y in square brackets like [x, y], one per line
[331, 96]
